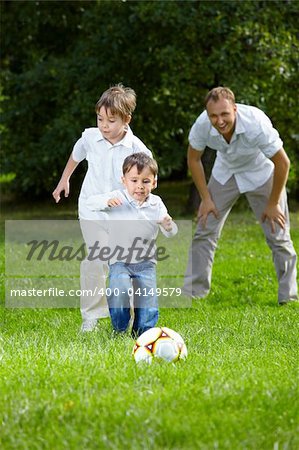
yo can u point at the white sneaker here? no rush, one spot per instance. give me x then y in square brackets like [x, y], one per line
[104, 313]
[88, 325]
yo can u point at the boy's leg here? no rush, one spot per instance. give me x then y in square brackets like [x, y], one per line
[283, 252]
[119, 296]
[93, 273]
[201, 254]
[146, 312]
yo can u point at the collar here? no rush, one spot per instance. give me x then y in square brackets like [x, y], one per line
[150, 201]
[126, 141]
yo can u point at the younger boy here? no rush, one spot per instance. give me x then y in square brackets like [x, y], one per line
[105, 148]
[134, 215]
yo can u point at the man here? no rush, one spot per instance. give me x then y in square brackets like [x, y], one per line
[251, 160]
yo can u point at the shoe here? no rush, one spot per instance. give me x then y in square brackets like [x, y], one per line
[193, 296]
[104, 313]
[285, 302]
[88, 325]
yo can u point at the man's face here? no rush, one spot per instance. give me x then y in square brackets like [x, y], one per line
[139, 185]
[222, 115]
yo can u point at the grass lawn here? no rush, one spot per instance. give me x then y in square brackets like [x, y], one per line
[238, 388]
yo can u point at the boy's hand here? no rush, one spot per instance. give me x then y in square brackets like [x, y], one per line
[62, 186]
[113, 202]
[166, 223]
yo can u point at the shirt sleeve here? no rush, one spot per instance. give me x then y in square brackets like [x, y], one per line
[79, 151]
[82, 146]
[170, 233]
[199, 133]
[162, 213]
[268, 139]
[98, 202]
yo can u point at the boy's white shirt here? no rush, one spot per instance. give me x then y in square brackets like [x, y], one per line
[152, 208]
[104, 165]
[131, 221]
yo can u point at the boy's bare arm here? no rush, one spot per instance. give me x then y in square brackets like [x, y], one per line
[64, 184]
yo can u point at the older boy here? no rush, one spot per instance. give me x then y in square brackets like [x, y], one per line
[105, 149]
[251, 160]
[134, 214]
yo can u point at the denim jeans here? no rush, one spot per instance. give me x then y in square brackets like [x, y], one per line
[138, 279]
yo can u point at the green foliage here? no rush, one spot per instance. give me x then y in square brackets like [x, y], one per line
[58, 57]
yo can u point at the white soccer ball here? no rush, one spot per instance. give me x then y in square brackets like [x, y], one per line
[159, 342]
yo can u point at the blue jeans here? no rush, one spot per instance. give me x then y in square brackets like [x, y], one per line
[126, 279]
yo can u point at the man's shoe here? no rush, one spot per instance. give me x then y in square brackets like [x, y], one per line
[288, 301]
[193, 296]
[88, 325]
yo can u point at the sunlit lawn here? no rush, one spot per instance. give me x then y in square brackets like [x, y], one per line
[238, 389]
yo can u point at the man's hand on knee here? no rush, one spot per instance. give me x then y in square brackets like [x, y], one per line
[274, 214]
[206, 207]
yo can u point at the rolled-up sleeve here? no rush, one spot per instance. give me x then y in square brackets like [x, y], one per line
[199, 132]
[162, 213]
[268, 140]
[170, 233]
[99, 202]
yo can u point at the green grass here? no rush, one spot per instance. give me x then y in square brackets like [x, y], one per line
[238, 388]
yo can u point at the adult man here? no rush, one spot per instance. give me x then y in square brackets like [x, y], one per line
[251, 160]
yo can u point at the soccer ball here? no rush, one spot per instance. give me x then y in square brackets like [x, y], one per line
[159, 342]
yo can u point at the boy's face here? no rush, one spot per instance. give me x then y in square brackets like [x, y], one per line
[222, 115]
[112, 127]
[139, 185]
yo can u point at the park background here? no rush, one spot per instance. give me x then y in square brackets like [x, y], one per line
[58, 57]
[239, 386]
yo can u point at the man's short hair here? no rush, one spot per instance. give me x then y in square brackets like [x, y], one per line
[141, 161]
[220, 92]
[119, 100]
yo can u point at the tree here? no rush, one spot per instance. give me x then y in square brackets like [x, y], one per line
[64, 54]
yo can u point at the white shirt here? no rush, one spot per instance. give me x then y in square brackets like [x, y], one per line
[247, 155]
[131, 222]
[105, 162]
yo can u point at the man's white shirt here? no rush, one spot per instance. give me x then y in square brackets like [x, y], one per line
[247, 155]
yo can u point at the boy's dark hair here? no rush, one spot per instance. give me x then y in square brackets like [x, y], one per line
[220, 92]
[142, 161]
[119, 100]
